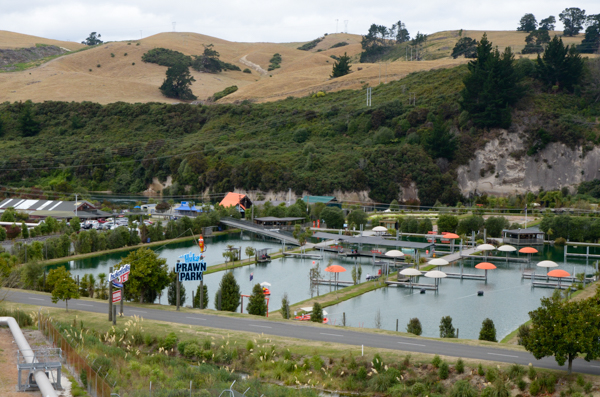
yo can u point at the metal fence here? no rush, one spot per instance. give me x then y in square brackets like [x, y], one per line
[97, 386]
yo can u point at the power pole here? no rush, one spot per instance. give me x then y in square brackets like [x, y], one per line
[336, 25]
[346, 25]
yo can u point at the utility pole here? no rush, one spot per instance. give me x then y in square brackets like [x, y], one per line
[336, 25]
[346, 25]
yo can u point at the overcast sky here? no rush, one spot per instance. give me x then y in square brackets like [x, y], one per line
[265, 20]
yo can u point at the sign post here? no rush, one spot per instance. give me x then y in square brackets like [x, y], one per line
[116, 280]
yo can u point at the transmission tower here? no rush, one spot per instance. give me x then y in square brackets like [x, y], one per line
[346, 26]
[336, 25]
[174, 26]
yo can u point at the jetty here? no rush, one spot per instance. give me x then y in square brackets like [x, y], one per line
[259, 229]
[406, 284]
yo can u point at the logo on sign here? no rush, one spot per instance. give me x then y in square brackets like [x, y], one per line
[192, 268]
[120, 275]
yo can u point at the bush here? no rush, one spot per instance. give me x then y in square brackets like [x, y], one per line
[446, 328]
[170, 341]
[414, 326]
[310, 45]
[460, 366]
[225, 92]
[166, 57]
[491, 375]
[247, 71]
[444, 370]
[531, 373]
[523, 333]
[436, 361]
[534, 388]
[418, 389]
[521, 384]
[480, 370]
[560, 242]
[488, 331]
[463, 388]
[516, 371]
[361, 374]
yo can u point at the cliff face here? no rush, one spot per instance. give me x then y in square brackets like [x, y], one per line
[502, 167]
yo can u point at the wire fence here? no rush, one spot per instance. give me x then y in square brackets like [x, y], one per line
[96, 385]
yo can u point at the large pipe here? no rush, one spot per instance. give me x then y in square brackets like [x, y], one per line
[40, 376]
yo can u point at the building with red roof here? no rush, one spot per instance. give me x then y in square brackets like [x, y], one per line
[240, 201]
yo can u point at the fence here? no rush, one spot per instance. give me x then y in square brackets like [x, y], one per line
[96, 385]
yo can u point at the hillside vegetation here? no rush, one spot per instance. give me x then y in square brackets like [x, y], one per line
[320, 143]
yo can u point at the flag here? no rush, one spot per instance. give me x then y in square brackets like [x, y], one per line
[251, 276]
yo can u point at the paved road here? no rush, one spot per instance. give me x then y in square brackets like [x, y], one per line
[332, 334]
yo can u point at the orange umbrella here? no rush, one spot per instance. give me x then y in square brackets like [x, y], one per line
[558, 273]
[528, 250]
[335, 269]
[451, 235]
[485, 266]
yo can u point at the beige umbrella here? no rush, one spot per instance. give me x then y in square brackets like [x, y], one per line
[547, 265]
[507, 248]
[485, 248]
[436, 274]
[410, 272]
[439, 262]
[394, 254]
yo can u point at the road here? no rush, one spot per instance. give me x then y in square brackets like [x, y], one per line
[333, 334]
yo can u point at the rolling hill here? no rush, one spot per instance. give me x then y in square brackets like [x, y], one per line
[114, 71]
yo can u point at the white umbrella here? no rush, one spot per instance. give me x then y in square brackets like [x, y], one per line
[435, 274]
[485, 247]
[507, 248]
[411, 272]
[306, 309]
[265, 284]
[394, 253]
[379, 229]
[438, 262]
[547, 265]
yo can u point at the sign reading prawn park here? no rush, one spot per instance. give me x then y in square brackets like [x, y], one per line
[191, 268]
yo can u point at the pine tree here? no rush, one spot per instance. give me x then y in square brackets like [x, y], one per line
[24, 230]
[285, 306]
[177, 82]
[561, 67]
[414, 326]
[204, 297]
[591, 41]
[446, 328]
[488, 331]
[257, 304]
[341, 67]
[27, 123]
[317, 313]
[172, 293]
[230, 293]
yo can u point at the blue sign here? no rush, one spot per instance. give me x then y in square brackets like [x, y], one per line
[192, 268]
[117, 285]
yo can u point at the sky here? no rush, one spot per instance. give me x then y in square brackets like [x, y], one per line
[265, 20]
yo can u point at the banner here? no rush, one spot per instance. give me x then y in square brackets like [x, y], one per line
[116, 296]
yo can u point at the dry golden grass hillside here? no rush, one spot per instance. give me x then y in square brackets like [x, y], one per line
[105, 74]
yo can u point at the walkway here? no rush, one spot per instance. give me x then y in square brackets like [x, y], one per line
[457, 254]
[254, 228]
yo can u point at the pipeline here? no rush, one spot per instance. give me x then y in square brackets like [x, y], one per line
[40, 376]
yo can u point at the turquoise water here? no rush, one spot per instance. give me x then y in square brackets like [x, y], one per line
[507, 297]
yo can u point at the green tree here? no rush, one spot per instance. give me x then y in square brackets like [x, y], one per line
[358, 217]
[447, 223]
[341, 67]
[446, 328]
[573, 18]
[31, 273]
[317, 313]
[333, 217]
[473, 223]
[230, 293]
[204, 292]
[172, 293]
[439, 141]
[561, 67]
[149, 275]
[250, 251]
[93, 39]
[495, 224]
[424, 226]
[178, 82]
[528, 23]
[565, 330]
[547, 23]
[75, 224]
[414, 326]
[2, 233]
[491, 86]
[591, 41]
[488, 331]
[63, 286]
[24, 230]
[465, 46]
[257, 304]
[285, 306]
[536, 42]
[394, 205]
[8, 215]
[28, 125]
[208, 62]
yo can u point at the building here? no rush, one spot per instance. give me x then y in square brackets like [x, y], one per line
[523, 236]
[278, 223]
[239, 201]
[329, 201]
[41, 209]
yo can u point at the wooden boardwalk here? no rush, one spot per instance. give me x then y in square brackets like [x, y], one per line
[405, 284]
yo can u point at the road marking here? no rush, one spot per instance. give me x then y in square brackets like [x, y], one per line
[196, 318]
[595, 366]
[323, 333]
[503, 355]
[412, 344]
[260, 326]
[83, 304]
[37, 299]
[139, 311]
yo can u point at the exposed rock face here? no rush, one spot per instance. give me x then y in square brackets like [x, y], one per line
[10, 57]
[502, 167]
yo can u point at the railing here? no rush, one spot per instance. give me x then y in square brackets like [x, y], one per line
[96, 384]
[523, 241]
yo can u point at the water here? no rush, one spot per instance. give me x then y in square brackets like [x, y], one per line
[507, 298]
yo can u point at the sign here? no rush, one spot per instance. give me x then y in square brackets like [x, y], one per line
[117, 285]
[120, 275]
[192, 267]
[201, 244]
[116, 297]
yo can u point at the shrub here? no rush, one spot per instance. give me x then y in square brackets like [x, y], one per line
[112, 55]
[317, 362]
[460, 366]
[247, 71]
[516, 371]
[249, 345]
[491, 375]
[310, 45]
[225, 92]
[377, 362]
[560, 242]
[531, 373]
[436, 361]
[523, 333]
[166, 57]
[534, 388]
[463, 388]
[480, 370]
[170, 341]
[488, 331]
[98, 65]
[521, 384]
[125, 54]
[446, 328]
[132, 63]
[444, 370]
[361, 374]
[418, 389]
[83, 377]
